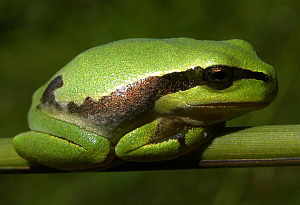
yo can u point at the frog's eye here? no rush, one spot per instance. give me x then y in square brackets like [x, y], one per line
[219, 77]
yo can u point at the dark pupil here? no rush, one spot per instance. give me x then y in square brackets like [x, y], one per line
[220, 75]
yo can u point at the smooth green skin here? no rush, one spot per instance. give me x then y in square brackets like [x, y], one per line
[101, 70]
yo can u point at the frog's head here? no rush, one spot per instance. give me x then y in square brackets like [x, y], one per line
[227, 80]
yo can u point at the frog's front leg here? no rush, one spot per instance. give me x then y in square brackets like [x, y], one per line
[161, 139]
[80, 152]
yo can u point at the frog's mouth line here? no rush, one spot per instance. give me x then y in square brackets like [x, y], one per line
[231, 105]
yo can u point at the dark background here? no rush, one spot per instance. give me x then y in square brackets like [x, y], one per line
[37, 38]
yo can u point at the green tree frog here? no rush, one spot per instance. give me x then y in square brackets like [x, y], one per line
[142, 100]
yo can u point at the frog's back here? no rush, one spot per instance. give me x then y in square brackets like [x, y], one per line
[103, 69]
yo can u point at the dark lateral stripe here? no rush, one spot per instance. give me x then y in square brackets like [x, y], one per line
[181, 81]
[137, 98]
[48, 96]
[240, 73]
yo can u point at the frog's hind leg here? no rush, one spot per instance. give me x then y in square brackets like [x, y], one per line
[60, 153]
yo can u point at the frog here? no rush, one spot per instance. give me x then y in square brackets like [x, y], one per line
[142, 100]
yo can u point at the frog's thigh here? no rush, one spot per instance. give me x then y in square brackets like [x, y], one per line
[59, 153]
[143, 144]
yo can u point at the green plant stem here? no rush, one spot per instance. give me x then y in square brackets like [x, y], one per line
[232, 147]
